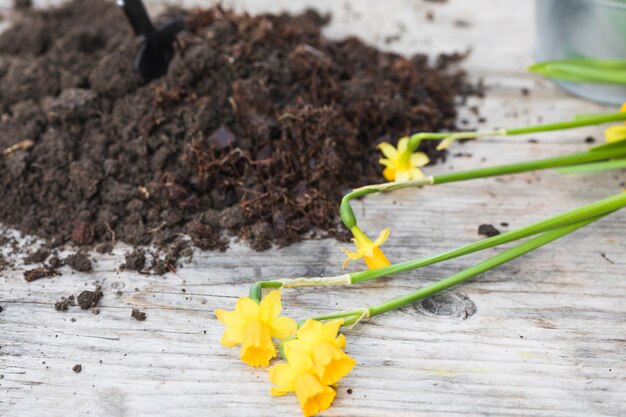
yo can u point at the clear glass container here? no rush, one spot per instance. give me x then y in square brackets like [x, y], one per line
[594, 29]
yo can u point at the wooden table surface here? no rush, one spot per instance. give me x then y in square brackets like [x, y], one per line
[542, 336]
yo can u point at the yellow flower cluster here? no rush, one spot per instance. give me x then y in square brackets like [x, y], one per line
[315, 361]
[315, 356]
[616, 133]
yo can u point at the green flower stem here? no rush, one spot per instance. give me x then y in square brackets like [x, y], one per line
[353, 316]
[585, 71]
[590, 211]
[477, 269]
[587, 120]
[257, 289]
[594, 167]
[587, 212]
[515, 168]
[597, 154]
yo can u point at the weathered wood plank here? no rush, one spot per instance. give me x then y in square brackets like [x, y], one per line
[547, 338]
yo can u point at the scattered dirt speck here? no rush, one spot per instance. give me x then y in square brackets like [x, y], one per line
[79, 261]
[488, 230]
[77, 368]
[88, 299]
[37, 273]
[138, 315]
[135, 260]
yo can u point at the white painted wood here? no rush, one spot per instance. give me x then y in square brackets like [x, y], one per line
[548, 337]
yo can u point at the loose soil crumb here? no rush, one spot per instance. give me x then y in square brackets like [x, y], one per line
[138, 315]
[258, 128]
[36, 257]
[77, 368]
[488, 230]
[88, 299]
[79, 262]
[65, 303]
[135, 260]
[37, 273]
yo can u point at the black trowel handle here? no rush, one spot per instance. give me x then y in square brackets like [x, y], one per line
[138, 18]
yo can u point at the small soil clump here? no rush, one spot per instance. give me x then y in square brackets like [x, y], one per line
[135, 260]
[38, 273]
[257, 129]
[79, 262]
[65, 303]
[488, 230]
[138, 315]
[77, 368]
[36, 257]
[88, 299]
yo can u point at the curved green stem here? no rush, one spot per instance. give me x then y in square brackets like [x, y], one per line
[597, 154]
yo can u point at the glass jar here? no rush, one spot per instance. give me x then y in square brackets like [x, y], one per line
[594, 29]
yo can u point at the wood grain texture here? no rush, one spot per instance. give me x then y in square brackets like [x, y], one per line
[542, 336]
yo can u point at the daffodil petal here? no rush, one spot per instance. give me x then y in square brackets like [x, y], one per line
[615, 133]
[312, 394]
[352, 255]
[247, 309]
[270, 306]
[232, 337]
[283, 376]
[341, 341]
[419, 159]
[385, 162]
[295, 345]
[230, 318]
[283, 327]
[388, 150]
[403, 144]
[389, 173]
[300, 362]
[331, 363]
[257, 347]
[377, 260]
[311, 331]
[402, 175]
[330, 329]
[416, 174]
[382, 237]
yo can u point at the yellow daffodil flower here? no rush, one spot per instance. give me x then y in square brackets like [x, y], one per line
[298, 375]
[618, 132]
[366, 249]
[321, 342]
[400, 163]
[253, 325]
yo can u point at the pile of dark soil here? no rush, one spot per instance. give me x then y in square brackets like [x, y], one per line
[258, 127]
